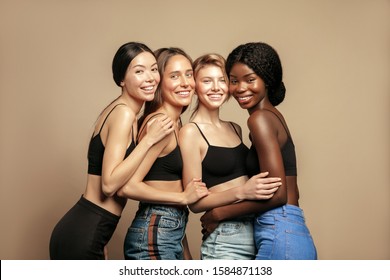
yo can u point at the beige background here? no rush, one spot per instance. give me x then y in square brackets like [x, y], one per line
[55, 77]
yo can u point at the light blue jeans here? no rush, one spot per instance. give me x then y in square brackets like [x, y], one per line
[231, 240]
[156, 233]
[282, 234]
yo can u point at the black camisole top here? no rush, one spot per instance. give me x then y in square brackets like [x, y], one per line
[288, 155]
[222, 164]
[166, 168]
[96, 150]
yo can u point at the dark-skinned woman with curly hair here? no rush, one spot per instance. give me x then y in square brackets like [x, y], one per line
[256, 82]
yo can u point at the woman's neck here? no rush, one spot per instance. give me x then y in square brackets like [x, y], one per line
[263, 104]
[205, 115]
[134, 104]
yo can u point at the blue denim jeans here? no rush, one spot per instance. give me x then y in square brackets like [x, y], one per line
[282, 234]
[156, 233]
[231, 240]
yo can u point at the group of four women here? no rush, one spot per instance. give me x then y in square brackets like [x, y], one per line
[249, 196]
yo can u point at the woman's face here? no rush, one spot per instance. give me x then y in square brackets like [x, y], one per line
[178, 83]
[246, 87]
[211, 86]
[141, 77]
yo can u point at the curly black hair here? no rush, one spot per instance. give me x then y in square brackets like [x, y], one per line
[265, 62]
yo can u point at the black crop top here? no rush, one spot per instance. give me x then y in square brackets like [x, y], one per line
[222, 164]
[166, 168]
[288, 156]
[96, 150]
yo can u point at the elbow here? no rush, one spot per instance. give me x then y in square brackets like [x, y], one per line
[108, 190]
[194, 208]
[129, 190]
[283, 200]
[280, 198]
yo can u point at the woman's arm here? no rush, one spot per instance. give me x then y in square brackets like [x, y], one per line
[264, 128]
[116, 170]
[192, 147]
[264, 133]
[258, 187]
[136, 189]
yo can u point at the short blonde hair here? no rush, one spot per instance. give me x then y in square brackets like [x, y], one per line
[207, 60]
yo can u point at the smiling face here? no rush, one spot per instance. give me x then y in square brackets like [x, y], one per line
[142, 77]
[247, 88]
[211, 86]
[178, 83]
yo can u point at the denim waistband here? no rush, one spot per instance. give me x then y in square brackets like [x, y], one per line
[162, 209]
[97, 209]
[286, 209]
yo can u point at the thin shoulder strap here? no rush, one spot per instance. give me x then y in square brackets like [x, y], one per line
[146, 121]
[204, 137]
[180, 123]
[133, 140]
[236, 131]
[177, 142]
[108, 115]
[285, 128]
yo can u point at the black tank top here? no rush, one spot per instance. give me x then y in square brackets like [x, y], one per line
[166, 168]
[222, 164]
[287, 151]
[96, 149]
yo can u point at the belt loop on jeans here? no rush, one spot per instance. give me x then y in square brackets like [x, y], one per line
[284, 211]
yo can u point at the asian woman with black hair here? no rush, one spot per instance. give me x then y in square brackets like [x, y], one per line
[113, 157]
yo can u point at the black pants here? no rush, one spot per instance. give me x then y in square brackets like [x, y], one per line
[83, 232]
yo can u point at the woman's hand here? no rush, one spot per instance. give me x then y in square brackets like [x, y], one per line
[194, 191]
[209, 222]
[158, 128]
[259, 187]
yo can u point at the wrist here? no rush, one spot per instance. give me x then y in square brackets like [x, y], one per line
[239, 193]
[217, 215]
[148, 141]
[182, 199]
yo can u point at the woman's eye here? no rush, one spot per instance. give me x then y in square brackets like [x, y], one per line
[154, 69]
